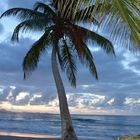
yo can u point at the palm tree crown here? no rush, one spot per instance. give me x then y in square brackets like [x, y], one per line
[120, 18]
[61, 31]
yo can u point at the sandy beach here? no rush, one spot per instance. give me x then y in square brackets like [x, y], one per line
[23, 136]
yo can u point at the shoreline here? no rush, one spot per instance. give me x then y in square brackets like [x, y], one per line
[27, 136]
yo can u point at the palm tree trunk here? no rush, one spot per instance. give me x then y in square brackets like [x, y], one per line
[68, 132]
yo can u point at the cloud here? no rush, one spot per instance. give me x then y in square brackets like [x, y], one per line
[131, 62]
[21, 96]
[11, 59]
[114, 85]
[118, 82]
[17, 99]
[132, 102]
[16, 96]
[25, 95]
[82, 100]
[111, 101]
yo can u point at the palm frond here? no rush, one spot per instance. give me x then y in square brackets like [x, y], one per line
[95, 37]
[80, 9]
[64, 8]
[23, 13]
[71, 9]
[33, 24]
[69, 63]
[32, 57]
[83, 52]
[85, 15]
[87, 12]
[130, 16]
[46, 8]
[121, 21]
[90, 61]
[127, 13]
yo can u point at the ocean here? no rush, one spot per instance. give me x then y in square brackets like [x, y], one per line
[85, 125]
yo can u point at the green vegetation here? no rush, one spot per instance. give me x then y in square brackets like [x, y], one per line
[137, 136]
[119, 16]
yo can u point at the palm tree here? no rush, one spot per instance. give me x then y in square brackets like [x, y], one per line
[68, 41]
[116, 16]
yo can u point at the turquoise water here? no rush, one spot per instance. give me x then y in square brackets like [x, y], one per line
[85, 125]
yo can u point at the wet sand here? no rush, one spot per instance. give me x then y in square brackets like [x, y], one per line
[23, 136]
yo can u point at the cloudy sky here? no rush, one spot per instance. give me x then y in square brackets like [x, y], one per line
[116, 92]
